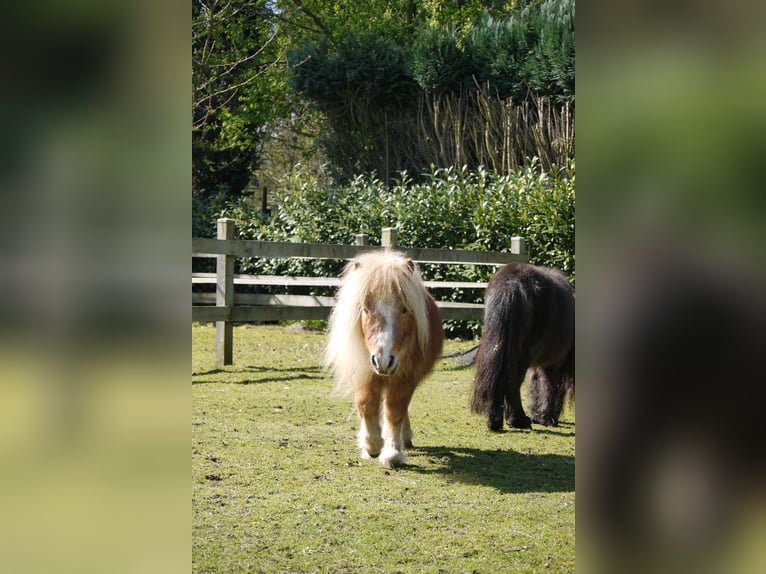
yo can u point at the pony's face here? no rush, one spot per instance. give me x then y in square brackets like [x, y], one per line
[388, 326]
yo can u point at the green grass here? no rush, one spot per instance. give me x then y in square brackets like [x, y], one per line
[278, 484]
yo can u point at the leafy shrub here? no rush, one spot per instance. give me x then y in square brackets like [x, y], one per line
[454, 208]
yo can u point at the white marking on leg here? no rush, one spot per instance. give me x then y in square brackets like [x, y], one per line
[369, 438]
[392, 454]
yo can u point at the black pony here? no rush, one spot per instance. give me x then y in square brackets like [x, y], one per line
[528, 325]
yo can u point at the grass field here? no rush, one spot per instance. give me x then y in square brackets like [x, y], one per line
[278, 484]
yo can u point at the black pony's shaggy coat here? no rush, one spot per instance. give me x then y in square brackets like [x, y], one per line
[528, 325]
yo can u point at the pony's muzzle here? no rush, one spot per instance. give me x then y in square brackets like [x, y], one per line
[383, 367]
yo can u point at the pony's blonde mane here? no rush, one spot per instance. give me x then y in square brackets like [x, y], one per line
[379, 274]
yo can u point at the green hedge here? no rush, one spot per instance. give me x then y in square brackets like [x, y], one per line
[454, 209]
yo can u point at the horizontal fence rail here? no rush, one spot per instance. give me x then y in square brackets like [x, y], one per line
[293, 281]
[205, 247]
[226, 306]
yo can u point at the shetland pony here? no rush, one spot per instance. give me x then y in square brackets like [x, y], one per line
[385, 335]
[528, 326]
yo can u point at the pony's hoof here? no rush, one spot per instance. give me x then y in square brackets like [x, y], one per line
[495, 425]
[408, 444]
[392, 458]
[520, 422]
[546, 421]
[370, 446]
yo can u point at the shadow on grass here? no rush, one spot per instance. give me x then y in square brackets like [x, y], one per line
[506, 470]
[460, 360]
[271, 375]
[449, 366]
[563, 429]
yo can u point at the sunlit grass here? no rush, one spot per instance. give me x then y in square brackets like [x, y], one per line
[278, 484]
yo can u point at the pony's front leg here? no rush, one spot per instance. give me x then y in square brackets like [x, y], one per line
[367, 401]
[396, 431]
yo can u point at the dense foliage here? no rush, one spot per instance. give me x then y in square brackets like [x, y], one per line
[380, 86]
[236, 90]
[443, 96]
[531, 52]
[453, 208]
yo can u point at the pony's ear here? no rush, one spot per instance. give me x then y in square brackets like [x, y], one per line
[356, 264]
[410, 265]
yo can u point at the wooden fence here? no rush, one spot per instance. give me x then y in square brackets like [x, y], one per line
[225, 306]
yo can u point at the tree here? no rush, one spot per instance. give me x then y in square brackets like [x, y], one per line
[415, 94]
[355, 70]
[395, 21]
[238, 88]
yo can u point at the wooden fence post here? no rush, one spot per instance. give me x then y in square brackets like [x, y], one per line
[388, 237]
[224, 296]
[362, 239]
[518, 246]
[264, 201]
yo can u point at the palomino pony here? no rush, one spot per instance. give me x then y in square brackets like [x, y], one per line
[528, 325]
[385, 336]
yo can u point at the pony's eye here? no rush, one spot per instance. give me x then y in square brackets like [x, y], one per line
[365, 310]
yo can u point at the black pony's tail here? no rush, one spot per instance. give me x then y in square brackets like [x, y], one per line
[495, 356]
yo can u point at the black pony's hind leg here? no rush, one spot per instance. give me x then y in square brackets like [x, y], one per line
[495, 411]
[515, 416]
[495, 419]
[546, 395]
